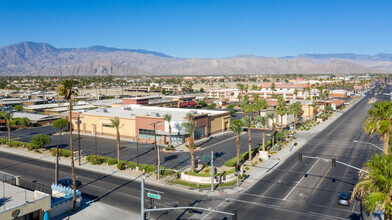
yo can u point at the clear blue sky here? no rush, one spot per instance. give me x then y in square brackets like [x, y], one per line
[204, 28]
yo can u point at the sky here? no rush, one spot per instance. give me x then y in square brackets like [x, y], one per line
[201, 28]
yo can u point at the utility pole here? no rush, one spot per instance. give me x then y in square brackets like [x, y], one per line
[156, 150]
[212, 171]
[142, 199]
[79, 137]
[95, 139]
[57, 165]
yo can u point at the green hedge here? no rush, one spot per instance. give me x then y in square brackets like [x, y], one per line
[243, 157]
[121, 165]
[62, 152]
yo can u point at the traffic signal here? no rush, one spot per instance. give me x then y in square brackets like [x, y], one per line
[300, 157]
[237, 168]
[196, 163]
[215, 170]
[334, 162]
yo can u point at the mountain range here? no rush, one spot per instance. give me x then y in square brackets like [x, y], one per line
[42, 59]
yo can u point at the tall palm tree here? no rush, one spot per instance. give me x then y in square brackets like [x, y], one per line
[281, 110]
[7, 116]
[116, 124]
[190, 128]
[375, 188]
[65, 89]
[260, 105]
[263, 121]
[295, 109]
[308, 89]
[379, 121]
[247, 120]
[236, 128]
[271, 115]
[168, 118]
[272, 87]
[295, 93]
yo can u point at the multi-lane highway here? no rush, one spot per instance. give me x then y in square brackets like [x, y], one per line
[287, 193]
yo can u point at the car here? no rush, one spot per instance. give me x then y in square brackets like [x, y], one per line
[68, 182]
[344, 199]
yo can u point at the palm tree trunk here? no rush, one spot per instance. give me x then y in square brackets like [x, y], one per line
[238, 149]
[264, 139]
[72, 155]
[281, 123]
[169, 135]
[250, 145]
[192, 152]
[118, 145]
[386, 143]
[9, 131]
[273, 131]
[295, 122]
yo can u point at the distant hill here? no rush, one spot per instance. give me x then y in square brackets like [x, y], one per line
[30, 58]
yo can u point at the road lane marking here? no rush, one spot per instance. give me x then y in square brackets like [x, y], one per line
[300, 180]
[205, 148]
[324, 215]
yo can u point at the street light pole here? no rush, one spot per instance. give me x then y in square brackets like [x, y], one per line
[137, 152]
[356, 141]
[79, 137]
[95, 139]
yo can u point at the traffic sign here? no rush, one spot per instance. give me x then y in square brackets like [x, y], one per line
[206, 157]
[155, 196]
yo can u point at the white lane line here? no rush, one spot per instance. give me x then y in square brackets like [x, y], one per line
[300, 180]
[214, 208]
[327, 216]
[355, 202]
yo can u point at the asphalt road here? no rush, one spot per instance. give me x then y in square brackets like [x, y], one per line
[224, 146]
[286, 193]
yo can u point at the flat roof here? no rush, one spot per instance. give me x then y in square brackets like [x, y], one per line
[34, 117]
[131, 111]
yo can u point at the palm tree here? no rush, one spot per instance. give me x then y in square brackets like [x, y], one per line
[168, 118]
[271, 115]
[295, 93]
[281, 110]
[7, 116]
[295, 109]
[263, 121]
[272, 87]
[247, 120]
[261, 105]
[374, 188]
[237, 129]
[190, 128]
[379, 121]
[65, 89]
[308, 89]
[320, 89]
[116, 124]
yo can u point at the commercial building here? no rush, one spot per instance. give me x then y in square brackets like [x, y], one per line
[138, 122]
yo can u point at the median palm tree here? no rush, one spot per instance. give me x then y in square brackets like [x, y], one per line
[116, 124]
[379, 121]
[271, 115]
[168, 118]
[7, 116]
[190, 128]
[236, 128]
[263, 121]
[247, 120]
[65, 89]
[375, 188]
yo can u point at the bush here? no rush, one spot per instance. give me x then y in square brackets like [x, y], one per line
[246, 168]
[40, 140]
[111, 161]
[131, 164]
[97, 160]
[4, 141]
[121, 165]
[167, 172]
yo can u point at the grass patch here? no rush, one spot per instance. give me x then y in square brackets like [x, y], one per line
[194, 185]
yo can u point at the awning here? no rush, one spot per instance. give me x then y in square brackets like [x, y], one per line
[183, 104]
[192, 103]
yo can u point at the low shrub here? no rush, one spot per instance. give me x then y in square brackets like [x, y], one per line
[121, 165]
[131, 164]
[246, 168]
[111, 161]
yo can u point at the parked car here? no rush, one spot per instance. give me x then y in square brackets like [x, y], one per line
[344, 199]
[68, 182]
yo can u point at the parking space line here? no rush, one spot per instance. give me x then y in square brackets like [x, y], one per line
[205, 148]
[300, 180]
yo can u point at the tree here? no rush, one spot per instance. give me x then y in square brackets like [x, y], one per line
[201, 90]
[314, 105]
[263, 121]
[190, 128]
[116, 124]
[212, 106]
[295, 109]
[236, 128]
[271, 115]
[163, 92]
[65, 89]
[308, 89]
[295, 93]
[24, 121]
[260, 105]
[168, 118]
[247, 120]
[230, 107]
[7, 116]
[281, 110]
[379, 121]
[18, 108]
[374, 189]
[272, 87]
[39, 141]
[202, 103]
[60, 124]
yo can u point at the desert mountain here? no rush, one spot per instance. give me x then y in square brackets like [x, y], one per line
[29, 58]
